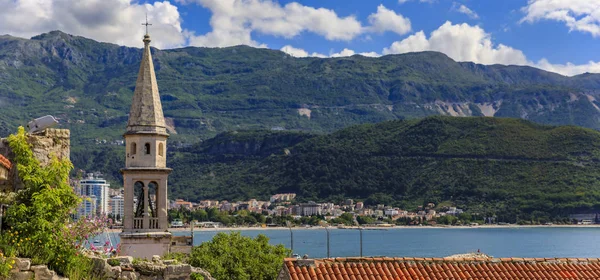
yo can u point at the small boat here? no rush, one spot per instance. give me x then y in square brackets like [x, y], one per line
[96, 241]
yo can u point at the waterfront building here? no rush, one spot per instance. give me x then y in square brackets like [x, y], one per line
[359, 205]
[145, 174]
[117, 207]
[180, 203]
[309, 209]
[391, 212]
[94, 185]
[454, 211]
[88, 207]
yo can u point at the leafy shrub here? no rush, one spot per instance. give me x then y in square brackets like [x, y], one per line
[38, 222]
[196, 276]
[233, 256]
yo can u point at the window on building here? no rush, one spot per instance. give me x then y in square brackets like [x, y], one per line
[147, 148]
[138, 205]
[152, 198]
[160, 149]
[133, 148]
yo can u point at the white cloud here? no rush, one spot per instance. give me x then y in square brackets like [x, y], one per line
[344, 52]
[579, 15]
[296, 52]
[348, 52]
[463, 42]
[388, 20]
[464, 10]
[233, 22]
[568, 69]
[115, 21]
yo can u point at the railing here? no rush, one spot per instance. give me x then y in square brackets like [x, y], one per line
[153, 223]
[138, 223]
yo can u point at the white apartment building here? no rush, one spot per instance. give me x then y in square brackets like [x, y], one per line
[117, 207]
[87, 208]
[94, 185]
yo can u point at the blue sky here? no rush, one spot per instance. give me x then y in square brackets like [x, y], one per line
[556, 35]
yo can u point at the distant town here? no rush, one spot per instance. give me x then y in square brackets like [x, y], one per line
[283, 210]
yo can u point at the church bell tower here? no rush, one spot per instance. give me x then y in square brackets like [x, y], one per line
[145, 174]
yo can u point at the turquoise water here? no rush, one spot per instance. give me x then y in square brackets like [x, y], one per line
[431, 242]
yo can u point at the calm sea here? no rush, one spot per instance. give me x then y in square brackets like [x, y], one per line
[430, 242]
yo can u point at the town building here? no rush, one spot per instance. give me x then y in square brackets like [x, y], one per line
[281, 197]
[454, 211]
[359, 205]
[180, 203]
[391, 212]
[145, 227]
[94, 185]
[117, 207]
[88, 207]
[309, 209]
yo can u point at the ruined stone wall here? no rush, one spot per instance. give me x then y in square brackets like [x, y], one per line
[46, 144]
[23, 270]
[119, 268]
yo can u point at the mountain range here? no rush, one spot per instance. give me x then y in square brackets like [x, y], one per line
[226, 92]
[88, 85]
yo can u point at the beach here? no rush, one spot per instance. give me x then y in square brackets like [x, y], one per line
[187, 229]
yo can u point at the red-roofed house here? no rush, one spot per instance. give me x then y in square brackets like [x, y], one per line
[440, 268]
[5, 166]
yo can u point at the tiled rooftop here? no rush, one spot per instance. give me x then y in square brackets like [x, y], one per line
[441, 268]
[5, 162]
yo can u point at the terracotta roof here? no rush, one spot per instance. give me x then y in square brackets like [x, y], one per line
[442, 268]
[5, 162]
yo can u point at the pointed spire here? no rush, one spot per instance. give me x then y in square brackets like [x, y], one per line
[146, 115]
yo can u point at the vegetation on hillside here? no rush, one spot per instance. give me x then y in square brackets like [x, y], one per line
[510, 168]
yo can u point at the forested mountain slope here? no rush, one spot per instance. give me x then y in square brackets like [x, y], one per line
[495, 165]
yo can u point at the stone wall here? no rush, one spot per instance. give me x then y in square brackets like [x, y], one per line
[49, 142]
[119, 268]
[126, 268]
[23, 270]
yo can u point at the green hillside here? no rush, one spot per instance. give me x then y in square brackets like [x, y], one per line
[501, 166]
[205, 91]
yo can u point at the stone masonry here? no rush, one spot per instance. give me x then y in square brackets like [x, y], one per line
[23, 270]
[119, 268]
[48, 143]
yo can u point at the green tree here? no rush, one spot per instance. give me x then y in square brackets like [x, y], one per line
[365, 220]
[236, 257]
[38, 222]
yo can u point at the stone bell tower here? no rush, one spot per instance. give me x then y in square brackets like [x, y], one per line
[145, 174]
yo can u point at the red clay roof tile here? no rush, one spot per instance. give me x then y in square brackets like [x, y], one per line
[5, 162]
[447, 268]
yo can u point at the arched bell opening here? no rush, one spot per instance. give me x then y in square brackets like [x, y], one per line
[138, 202]
[152, 199]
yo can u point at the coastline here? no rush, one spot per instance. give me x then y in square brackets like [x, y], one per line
[370, 228]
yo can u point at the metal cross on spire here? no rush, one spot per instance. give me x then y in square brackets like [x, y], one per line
[146, 24]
